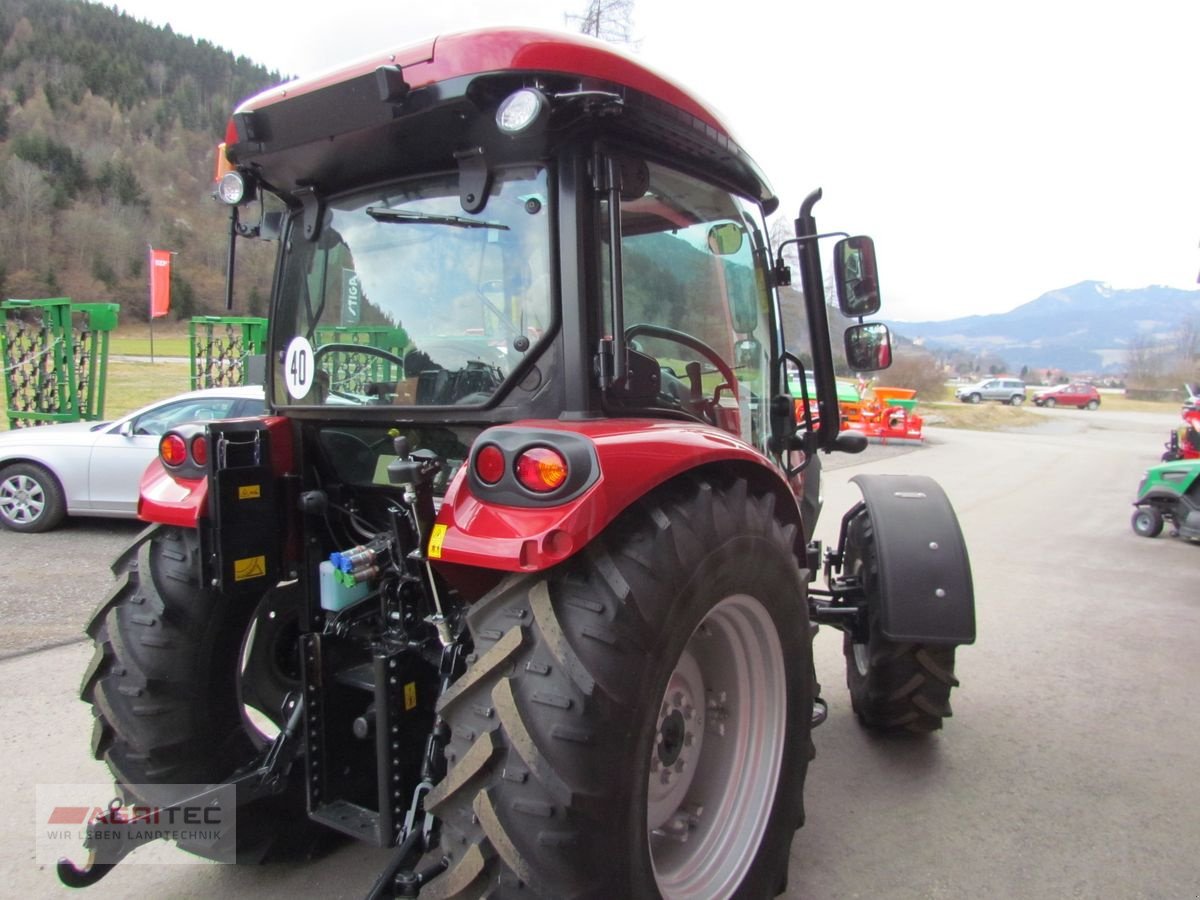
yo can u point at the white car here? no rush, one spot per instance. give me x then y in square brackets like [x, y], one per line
[95, 468]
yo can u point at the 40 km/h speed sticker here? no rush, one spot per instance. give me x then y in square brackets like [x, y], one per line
[298, 368]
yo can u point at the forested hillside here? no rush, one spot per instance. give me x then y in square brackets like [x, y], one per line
[108, 128]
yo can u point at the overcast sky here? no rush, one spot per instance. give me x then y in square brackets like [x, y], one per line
[994, 151]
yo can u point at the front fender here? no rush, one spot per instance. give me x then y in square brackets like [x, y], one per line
[925, 590]
[633, 457]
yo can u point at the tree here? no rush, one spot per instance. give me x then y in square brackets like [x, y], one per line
[608, 20]
[29, 199]
[1144, 362]
[917, 369]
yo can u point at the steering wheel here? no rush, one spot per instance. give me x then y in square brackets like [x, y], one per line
[707, 405]
[365, 349]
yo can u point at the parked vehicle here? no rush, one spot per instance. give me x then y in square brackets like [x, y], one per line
[1077, 393]
[526, 599]
[48, 472]
[1007, 390]
[1169, 494]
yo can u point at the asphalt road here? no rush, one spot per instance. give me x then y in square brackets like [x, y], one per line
[1070, 767]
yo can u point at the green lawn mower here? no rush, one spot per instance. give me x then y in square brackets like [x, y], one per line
[1169, 492]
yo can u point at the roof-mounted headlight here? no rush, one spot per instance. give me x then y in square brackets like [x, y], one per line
[522, 110]
[229, 185]
[232, 188]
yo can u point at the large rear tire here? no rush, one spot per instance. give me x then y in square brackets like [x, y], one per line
[894, 687]
[169, 690]
[635, 722]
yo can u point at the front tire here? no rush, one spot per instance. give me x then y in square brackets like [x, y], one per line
[974, 398]
[1147, 522]
[1050, 403]
[31, 499]
[635, 723]
[1093, 404]
[894, 687]
[166, 687]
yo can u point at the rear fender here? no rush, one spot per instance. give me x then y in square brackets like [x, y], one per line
[179, 496]
[925, 590]
[171, 500]
[500, 528]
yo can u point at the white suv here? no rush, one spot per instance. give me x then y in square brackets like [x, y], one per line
[1006, 390]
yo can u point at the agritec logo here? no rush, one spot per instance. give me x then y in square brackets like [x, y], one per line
[70, 822]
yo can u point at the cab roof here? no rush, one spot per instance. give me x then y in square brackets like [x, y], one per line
[346, 100]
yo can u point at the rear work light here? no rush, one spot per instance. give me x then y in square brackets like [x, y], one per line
[521, 110]
[172, 450]
[229, 185]
[541, 469]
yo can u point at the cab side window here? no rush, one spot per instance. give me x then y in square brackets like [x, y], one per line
[695, 299]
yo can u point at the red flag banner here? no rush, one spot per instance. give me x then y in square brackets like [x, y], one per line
[160, 283]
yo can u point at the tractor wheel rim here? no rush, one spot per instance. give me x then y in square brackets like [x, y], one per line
[21, 499]
[862, 659]
[717, 755]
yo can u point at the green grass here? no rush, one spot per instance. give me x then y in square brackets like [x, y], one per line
[134, 340]
[134, 384]
[165, 345]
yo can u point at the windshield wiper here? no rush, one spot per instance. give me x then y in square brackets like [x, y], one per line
[383, 214]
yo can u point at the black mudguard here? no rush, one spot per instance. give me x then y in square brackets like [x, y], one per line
[925, 587]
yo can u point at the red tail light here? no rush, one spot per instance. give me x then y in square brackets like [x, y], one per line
[489, 464]
[541, 469]
[200, 450]
[172, 450]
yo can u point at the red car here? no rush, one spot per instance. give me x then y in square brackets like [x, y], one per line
[1074, 394]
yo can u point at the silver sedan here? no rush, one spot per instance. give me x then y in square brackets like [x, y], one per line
[94, 468]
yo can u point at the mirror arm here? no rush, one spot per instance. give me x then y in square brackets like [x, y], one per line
[813, 286]
[782, 273]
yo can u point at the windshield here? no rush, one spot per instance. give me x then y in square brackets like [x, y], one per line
[404, 299]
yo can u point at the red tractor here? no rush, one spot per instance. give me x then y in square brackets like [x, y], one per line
[515, 580]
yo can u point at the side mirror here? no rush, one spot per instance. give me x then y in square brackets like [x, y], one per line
[725, 238]
[856, 276]
[126, 429]
[868, 347]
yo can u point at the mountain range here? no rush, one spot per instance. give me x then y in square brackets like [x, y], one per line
[1086, 328]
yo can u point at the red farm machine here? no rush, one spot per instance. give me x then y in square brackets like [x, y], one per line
[517, 581]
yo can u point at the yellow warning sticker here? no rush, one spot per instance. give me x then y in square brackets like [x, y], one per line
[251, 567]
[410, 696]
[435, 541]
[250, 492]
